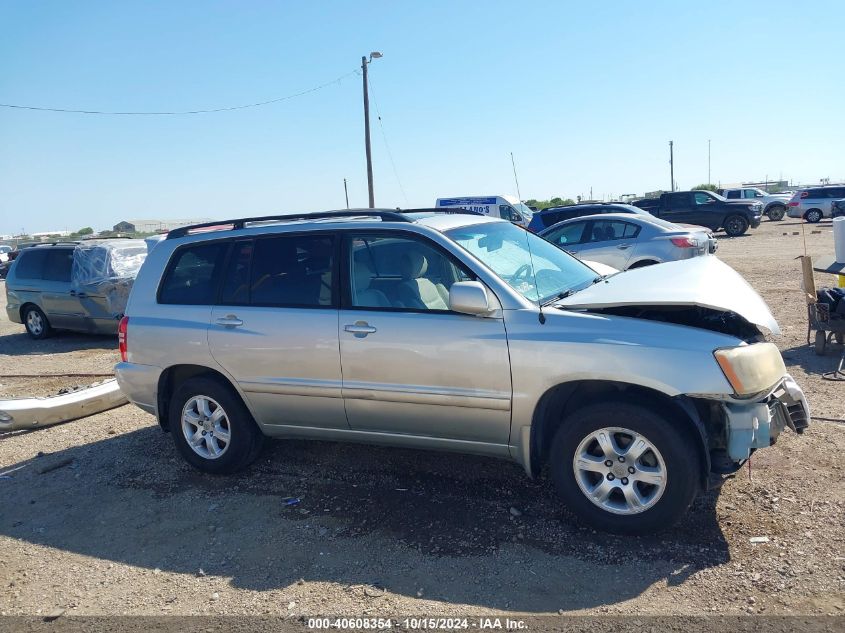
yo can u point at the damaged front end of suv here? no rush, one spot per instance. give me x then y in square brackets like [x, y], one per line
[762, 400]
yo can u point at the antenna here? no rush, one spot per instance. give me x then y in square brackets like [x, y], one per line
[541, 317]
[518, 195]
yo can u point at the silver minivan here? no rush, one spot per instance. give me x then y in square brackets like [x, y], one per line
[80, 286]
[815, 203]
[437, 330]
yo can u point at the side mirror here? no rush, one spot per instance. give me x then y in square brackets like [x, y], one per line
[468, 297]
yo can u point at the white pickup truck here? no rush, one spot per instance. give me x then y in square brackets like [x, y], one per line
[774, 204]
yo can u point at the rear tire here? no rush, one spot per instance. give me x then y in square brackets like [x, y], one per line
[36, 323]
[212, 428]
[632, 506]
[776, 213]
[735, 225]
[813, 216]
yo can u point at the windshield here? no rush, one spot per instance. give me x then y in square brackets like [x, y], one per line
[503, 247]
[716, 195]
[523, 208]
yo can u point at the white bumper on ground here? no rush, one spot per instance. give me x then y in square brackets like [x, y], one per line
[31, 413]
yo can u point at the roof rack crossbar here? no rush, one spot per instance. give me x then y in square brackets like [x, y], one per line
[240, 223]
[444, 210]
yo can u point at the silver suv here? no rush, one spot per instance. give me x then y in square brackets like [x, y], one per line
[460, 332]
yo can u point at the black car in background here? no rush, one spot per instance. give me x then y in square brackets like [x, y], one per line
[705, 208]
[551, 216]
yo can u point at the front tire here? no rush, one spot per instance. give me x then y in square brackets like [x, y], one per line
[813, 216]
[653, 476]
[735, 225]
[212, 428]
[776, 213]
[36, 323]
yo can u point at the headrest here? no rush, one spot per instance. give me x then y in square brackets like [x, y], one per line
[414, 265]
[363, 275]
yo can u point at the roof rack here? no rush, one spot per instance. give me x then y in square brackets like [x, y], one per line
[232, 225]
[444, 210]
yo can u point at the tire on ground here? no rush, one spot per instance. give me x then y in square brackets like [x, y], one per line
[776, 212]
[246, 439]
[680, 455]
[36, 323]
[735, 225]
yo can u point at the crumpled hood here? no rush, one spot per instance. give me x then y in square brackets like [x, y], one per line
[701, 281]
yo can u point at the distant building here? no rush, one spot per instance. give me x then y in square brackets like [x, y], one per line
[154, 226]
[50, 234]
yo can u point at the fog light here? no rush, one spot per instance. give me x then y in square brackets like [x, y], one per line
[5, 417]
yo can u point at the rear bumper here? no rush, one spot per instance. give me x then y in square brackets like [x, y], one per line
[139, 384]
[13, 312]
[30, 413]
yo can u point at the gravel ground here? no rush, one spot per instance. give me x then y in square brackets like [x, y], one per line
[127, 528]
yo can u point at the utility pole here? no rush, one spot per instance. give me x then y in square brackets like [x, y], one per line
[671, 166]
[346, 192]
[708, 161]
[364, 64]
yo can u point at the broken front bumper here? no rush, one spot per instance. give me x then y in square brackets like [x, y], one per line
[757, 425]
[31, 413]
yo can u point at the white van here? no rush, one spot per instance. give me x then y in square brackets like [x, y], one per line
[505, 207]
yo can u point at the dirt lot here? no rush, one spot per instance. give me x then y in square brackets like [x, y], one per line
[128, 528]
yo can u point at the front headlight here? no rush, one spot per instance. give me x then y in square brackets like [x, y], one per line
[751, 369]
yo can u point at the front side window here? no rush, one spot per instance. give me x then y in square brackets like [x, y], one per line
[191, 279]
[399, 272]
[535, 268]
[292, 271]
[702, 198]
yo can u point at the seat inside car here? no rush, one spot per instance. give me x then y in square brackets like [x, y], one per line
[365, 296]
[417, 291]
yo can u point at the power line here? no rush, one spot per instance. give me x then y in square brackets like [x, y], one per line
[207, 111]
[386, 144]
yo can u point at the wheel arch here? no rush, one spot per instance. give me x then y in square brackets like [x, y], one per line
[25, 305]
[170, 379]
[564, 399]
[646, 261]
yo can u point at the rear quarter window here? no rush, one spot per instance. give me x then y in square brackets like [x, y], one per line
[30, 264]
[192, 275]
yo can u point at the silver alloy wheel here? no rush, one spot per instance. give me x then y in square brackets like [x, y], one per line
[620, 470]
[814, 216]
[34, 322]
[205, 426]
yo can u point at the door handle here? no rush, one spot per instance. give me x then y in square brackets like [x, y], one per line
[360, 329]
[230, 320]
[623, 246]
[81, 295]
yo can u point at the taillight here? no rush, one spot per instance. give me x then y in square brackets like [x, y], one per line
[121, 337]
[805, 194]
[684, 242]
[793, 204]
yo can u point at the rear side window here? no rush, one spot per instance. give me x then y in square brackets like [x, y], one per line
[30, 264]
[732, 195]
[58, 264]
[191, 279]
[293, 271]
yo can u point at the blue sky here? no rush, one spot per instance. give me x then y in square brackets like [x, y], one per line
[584, 94]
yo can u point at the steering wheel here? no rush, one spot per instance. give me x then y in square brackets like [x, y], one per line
[522, 274]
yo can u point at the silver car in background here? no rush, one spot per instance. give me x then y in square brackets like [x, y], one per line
[624, 241]
[815, 203]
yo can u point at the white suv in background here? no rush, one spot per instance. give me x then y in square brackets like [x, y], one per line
[815, 203]
[774, 204]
